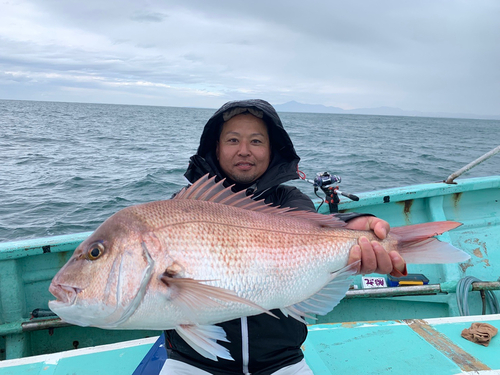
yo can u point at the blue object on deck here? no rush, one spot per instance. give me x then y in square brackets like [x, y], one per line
[154, 360]
[410, 279]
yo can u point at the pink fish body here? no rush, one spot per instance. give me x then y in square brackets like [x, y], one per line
[209, 256]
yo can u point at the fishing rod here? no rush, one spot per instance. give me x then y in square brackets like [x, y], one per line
[323, 181]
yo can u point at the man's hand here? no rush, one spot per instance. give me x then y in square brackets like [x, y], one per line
[374, 258]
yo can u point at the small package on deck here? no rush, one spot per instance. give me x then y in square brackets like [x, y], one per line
[480, 333]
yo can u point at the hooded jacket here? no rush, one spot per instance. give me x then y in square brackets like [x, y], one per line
[272, 343]
[282, 167]
[259, 344]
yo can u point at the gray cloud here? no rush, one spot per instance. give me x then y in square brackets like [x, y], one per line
[148, 17]
[429, 55]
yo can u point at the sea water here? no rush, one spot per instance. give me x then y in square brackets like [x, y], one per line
[66, 167]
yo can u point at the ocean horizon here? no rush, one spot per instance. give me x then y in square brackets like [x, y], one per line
[66, 167]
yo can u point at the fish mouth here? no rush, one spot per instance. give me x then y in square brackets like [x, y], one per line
[64, 294]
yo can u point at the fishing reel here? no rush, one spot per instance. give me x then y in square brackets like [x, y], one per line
[323, 181]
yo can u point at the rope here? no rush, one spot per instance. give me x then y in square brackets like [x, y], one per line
[463, 288]
[301, 174]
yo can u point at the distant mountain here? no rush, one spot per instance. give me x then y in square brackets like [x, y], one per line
[294, 106]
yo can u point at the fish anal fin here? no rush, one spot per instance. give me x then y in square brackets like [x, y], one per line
[328, 297]
[296, 314]
[203, 339]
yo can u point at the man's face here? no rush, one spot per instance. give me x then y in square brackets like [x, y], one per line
[244, 150]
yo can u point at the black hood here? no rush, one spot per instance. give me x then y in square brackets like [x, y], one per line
[284, 161]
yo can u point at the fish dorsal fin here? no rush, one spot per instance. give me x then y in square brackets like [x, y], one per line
[206, 189]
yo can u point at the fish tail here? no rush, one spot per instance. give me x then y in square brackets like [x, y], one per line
[416, 243]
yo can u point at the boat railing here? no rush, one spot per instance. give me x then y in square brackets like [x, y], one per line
[443, 288]
[471, 165]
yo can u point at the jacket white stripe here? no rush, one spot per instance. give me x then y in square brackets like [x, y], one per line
[244, 345]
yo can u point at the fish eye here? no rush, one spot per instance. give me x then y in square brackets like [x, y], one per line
[95, 251]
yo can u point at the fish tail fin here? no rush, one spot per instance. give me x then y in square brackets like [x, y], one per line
[416, 243]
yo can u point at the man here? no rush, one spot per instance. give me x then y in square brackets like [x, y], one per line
[245, 142]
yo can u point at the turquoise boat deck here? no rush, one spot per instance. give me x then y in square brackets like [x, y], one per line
[432, 346]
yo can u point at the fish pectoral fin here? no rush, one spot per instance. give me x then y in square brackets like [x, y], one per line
[328, 297]
[190, 294]
[203, 339]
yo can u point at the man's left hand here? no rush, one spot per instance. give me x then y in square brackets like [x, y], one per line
[374, 258]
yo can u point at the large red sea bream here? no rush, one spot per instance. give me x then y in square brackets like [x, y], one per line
[210, 255]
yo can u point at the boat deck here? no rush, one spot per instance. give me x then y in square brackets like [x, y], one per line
[432, 346]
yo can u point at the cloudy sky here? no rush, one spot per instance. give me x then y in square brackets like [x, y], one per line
[435, 55]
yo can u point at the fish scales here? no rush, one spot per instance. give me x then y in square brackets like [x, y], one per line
[272, 260]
